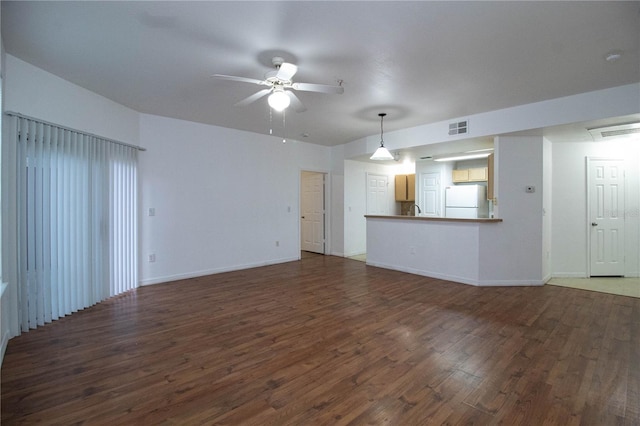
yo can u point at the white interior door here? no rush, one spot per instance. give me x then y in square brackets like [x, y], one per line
[430, 193]
[377, 199]
[606, 216]
[312, 212]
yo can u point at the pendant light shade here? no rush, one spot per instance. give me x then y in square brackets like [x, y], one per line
[381, 153]
[278, 100]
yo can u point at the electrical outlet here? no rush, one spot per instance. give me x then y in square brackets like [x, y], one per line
[152, 258]
[152, 211]
[277, 243]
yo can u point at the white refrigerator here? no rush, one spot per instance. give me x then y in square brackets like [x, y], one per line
[466, 201]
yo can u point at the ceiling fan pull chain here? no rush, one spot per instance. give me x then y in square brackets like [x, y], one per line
[284, 127]
[270, 120]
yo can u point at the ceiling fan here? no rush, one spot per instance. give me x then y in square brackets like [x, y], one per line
[280, 86]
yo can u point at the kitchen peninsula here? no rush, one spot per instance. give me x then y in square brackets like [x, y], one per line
[439, 247]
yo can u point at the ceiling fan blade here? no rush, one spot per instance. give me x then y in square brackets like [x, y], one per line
[253, 98]
[296, 104]
[241, 79]
[322, 88]
[286, 71]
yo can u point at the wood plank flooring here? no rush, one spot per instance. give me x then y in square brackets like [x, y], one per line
[330, 341]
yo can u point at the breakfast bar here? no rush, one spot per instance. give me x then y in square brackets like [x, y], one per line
[439, 247]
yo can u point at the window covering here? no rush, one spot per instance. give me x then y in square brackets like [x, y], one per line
[77, 220]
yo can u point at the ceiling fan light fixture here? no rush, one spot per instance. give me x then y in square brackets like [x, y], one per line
[382, 153]
[279, 100]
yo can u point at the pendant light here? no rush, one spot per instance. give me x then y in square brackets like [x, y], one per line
[382, 153]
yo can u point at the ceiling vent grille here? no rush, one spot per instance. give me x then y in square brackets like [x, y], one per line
[619, 130]
[458, 128]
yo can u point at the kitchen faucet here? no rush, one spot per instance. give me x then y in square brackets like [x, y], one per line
[414, 211]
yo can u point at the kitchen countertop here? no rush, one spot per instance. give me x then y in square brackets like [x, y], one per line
[434, 219]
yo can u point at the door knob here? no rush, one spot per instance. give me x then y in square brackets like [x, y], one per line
[301, 217]
[594, 224]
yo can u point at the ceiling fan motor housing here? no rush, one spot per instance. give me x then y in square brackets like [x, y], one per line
[277, 61]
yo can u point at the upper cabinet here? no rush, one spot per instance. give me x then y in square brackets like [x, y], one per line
[461, 175]
[479, 174]
[406, 187]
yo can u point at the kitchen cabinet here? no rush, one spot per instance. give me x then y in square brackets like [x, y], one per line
[461, 175]
[478, 174]
[406, 187]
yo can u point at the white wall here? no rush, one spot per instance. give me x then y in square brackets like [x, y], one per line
[512, 250]
[36, 93]
[222, 198]
[569, 224]
[438, 249]
[337, 207]
[613, 102]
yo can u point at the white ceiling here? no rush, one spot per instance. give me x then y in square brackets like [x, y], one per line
[420, 62]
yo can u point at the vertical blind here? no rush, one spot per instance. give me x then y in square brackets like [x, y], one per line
[77, 234]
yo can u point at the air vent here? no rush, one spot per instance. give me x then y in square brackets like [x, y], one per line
[618, 130]
[458, 128]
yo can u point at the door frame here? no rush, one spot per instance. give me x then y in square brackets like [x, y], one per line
[588, 231]
[327, 209]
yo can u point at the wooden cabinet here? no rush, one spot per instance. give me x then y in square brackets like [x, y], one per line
[406, 187]
[461, 175]
[470, 175]
[478, 175]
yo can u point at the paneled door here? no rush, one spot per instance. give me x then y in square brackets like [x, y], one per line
[430, 193]
[312, 208]
[377, 196]
[605, 179]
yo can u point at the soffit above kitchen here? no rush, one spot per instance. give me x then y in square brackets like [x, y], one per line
[420, 62]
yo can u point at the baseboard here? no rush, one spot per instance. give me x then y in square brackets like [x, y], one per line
[569, 275]
[461, 280]
[583, 275]
[512, 283]
[457, 279]
[202, 273]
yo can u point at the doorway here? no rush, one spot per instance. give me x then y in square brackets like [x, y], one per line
[312, 212]
[606, 218]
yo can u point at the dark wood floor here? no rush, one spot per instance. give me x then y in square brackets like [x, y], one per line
[331, 341]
